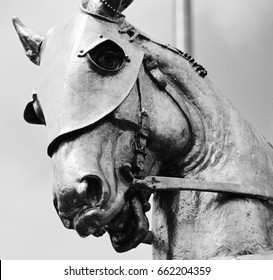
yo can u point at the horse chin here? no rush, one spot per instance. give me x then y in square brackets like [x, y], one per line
[129, 228]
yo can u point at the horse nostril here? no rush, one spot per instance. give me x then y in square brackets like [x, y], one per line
[93, 189]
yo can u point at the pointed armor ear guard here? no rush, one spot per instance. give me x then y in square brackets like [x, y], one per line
[30, 40]
[105, 9]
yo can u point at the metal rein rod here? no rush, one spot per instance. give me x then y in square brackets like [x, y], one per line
[157, 183]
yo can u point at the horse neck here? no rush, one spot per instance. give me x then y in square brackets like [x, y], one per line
[192, 225]
[210, 115]
[225, 145]
[201, 105]
[230, 150]
[227, 148]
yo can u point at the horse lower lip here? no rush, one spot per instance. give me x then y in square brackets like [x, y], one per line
[84, 223]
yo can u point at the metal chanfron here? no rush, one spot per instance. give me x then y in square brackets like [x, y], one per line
[72, 94]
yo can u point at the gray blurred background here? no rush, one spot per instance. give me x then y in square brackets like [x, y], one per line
[233, 39]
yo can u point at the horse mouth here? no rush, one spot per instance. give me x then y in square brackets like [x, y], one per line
[126, 229]
[129, 228]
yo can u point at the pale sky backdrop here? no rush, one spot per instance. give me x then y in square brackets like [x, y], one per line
[233, 39]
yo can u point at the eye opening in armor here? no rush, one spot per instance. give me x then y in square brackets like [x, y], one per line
[107, 57]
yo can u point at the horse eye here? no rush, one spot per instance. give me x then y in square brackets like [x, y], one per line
[107, 56]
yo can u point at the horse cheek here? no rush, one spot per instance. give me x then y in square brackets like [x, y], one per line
[171, 133]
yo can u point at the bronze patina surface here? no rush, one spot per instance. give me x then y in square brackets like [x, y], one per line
[127, 117]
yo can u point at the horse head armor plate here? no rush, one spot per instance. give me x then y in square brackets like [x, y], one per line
[79, 98]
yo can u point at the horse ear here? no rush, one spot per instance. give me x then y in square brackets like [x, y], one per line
[31, 40]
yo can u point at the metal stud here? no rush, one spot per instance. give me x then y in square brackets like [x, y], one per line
[110, 7]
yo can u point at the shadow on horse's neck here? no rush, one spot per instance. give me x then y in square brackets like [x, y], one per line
[209, 117]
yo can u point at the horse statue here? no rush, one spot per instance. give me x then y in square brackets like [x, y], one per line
[129, 117]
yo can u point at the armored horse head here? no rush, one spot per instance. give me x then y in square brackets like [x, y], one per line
[120, 107]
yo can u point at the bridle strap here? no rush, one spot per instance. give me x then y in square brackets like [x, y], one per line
[156, 183]
[141, 136]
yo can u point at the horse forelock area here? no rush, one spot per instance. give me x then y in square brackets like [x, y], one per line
[193, 225]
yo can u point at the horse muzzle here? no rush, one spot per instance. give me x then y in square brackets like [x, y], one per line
[90, 208]
[87, 195]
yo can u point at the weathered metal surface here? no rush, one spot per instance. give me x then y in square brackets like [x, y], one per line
[83, 96]
[156, 183]
[106, 10]
[98, 74]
